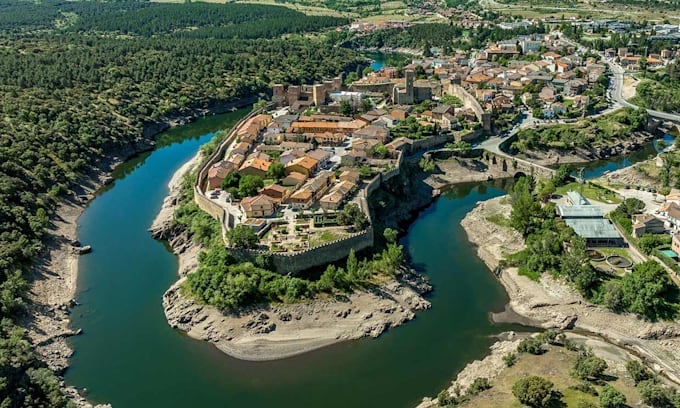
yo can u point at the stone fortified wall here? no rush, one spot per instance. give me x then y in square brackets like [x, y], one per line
[294, 262]
[470, 102]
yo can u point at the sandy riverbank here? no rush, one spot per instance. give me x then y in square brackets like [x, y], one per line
[553, 303]
[53, 277]
[270, 332]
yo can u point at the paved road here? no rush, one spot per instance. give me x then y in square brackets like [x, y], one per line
[616, 85]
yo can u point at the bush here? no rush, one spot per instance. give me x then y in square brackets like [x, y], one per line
[531, 345]
[589, 367]
[444, 398]
[510, 359]
[478, 385]
[610, 397]
[533, 391]
[638, 371]
[654, 394]
[585, 387]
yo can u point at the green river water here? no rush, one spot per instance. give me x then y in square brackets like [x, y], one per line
[128, 356]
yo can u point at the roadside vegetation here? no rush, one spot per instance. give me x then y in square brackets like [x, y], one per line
[80, 82]
[552, 247]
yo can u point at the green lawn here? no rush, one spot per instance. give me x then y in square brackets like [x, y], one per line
[592, 192]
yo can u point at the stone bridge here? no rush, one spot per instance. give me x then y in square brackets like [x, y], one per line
[516, 166]
[512, 166]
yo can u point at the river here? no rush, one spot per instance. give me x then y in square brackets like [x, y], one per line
[128, 356]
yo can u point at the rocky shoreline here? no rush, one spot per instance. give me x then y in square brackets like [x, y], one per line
[270, 332]
[53, 277]
[583, 155]
[551, 303]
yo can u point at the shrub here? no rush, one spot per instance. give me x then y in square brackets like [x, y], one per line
[610, 397]
[533, 391]
[638, 371]
[589, 367]
[510, 359]
[478, 385]
[531, 345]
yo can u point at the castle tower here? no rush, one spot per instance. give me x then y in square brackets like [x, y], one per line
[318, 94]
[293, 94]
[410, 76]
[278, 94]
[337, 83]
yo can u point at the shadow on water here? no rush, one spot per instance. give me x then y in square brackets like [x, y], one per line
[129, 356]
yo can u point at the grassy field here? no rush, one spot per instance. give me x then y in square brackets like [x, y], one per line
[581, 9]
[318, 239]
[555, 365]
[592, 192]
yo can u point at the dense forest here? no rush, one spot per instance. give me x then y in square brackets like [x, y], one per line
[75, 90]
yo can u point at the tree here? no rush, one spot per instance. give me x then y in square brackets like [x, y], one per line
[276, 171]
[563, 174]
[654, 394]
[427, 164]
[610, 397]
[390, 235]
[249, 185]
[638, 371]
[531, 345]
[366, 104]
[649, 242]
[589, 367]
[576, 267]
[649, 292]
[533, 391]
[242, 236]
[346, 108]
[352, 215]
[546, 190]
[379, 151]
[524, 207]
[613, 296]
[352, 263]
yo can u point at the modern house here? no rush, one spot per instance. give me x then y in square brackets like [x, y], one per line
[647, 224]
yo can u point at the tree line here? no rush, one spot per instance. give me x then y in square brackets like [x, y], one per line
[71, 100]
